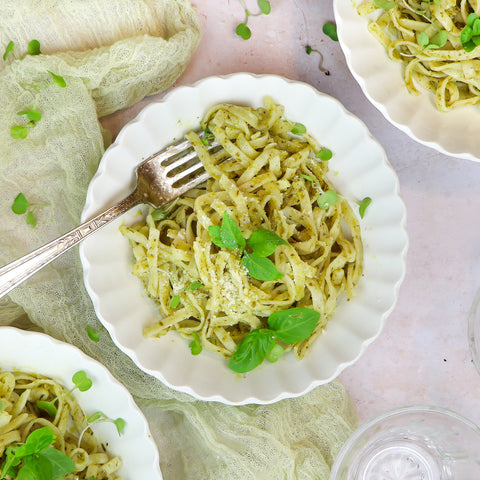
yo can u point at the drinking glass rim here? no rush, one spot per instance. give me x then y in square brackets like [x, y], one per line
[415, 408]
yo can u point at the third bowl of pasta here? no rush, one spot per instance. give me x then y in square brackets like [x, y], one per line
[277, 272]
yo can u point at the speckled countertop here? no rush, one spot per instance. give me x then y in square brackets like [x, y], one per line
[422, 355]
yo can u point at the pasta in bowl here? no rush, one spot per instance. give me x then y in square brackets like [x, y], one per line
[62, 415]
[124, 306]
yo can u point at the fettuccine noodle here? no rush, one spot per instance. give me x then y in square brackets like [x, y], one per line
[20, 416]
[451, 73]
[272, 181]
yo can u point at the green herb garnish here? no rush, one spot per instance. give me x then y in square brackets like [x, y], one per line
[21, 206]
[330, 30]
[363, 206]
[262, 243]
[93, 335]
[242, 29]
[288, 326]
[384, 4]
[36, 459]
[8, 49]
[324, 154]
[100, 417]
[196, 344]
[174, 301]
[34, 47]
[309, 50]
[327, 199]
[194, 286]
[298, 129]
[470, 35]
[437, 41]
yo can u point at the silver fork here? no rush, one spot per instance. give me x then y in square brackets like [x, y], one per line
[160, 179]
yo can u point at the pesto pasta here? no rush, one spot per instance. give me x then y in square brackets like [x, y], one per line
[20, 415]
[263, 177]
[428, 38]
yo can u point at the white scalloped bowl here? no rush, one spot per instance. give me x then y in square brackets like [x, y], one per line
[41, 354]
[359, 168]
[453, 133]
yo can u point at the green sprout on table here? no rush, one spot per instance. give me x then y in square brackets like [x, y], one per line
[32, 114]
[21, 206]
[330, 30]
[309, 50]
[242, 29]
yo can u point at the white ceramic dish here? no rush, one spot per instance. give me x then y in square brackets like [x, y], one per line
[38, 353]
[359, 168]
[454, 133]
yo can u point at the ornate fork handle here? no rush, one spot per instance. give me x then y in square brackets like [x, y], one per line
[19, 270]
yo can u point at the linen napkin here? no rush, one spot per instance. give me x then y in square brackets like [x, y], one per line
[111, 54]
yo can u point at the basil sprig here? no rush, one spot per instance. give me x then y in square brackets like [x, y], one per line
[262, 244]
[288, 326]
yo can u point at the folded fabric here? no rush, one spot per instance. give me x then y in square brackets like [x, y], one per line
[122, 51]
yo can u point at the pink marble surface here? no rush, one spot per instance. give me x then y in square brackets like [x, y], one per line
[422, 355]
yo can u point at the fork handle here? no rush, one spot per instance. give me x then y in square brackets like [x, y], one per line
[14, 273]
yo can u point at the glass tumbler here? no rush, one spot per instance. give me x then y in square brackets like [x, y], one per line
[411, 443]
[474, 331]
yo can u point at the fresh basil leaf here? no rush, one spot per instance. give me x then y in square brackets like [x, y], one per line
[61, 463]
[251, 351]
[174, 301]
[36, 442]
[466, 34]
[35, 467]
[264, 242]
[260, 268]
[471, 19]
[293, 325]
[476, 27]
[48, 407]
[327, 199]
[214, 232]
[230, 233]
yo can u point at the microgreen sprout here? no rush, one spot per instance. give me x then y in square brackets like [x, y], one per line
[327, 199]
[34, 47]
[36, 459]
[298, 129]
[324, 154]
[363, 206]
[100, 417]
[470, 35]
[92, 334]
[21, 206]
[196, 344]
[309, 50]
[330, 30]
[242, 29]
[194, 286]
[287, 326]
[437, 41]
[174, 301]
[33, 116]
[384, 4]
[261, 244]
[9, 48]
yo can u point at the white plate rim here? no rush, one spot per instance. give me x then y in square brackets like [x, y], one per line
[358, 44]
[47, 356]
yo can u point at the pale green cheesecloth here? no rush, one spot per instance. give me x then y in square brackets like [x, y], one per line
[113, 53]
